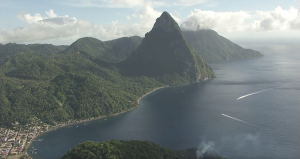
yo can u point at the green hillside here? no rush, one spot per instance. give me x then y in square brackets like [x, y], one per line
[213, 47]
[82, 81]
[64, 87]
[133, 149]
[13, 48]
[16, 55]
[113, 50]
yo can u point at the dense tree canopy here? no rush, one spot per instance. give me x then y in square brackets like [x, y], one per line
[60, 87]
[113, 51]
[55, 83]
[134, 149]
[67, 86]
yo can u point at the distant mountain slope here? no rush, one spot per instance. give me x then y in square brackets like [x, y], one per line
[20, 54]
[113, 50]
[165, 52]
[213, 47]
[13, 48]
[123, 47]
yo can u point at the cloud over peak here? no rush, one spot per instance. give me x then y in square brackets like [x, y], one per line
[65, 28]
[277, 19]
[229, 21]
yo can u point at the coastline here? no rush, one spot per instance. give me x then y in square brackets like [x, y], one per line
[90, 119]
[138, 100]
[73, 122]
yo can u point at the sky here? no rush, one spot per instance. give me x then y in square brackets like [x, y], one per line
[61, 22]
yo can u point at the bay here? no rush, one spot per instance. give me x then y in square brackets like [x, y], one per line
[264, 124]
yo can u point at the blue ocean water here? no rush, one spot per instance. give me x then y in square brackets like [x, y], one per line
[265, 124]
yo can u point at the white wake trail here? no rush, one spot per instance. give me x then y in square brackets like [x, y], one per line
[260, 91]
[236, 119]
[253, 93]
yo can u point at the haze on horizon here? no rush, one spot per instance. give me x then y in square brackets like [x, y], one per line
[61, 23]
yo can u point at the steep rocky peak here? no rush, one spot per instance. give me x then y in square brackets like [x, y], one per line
[166, 23]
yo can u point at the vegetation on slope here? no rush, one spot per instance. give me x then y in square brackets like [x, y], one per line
[16, 55]
[213, 47]
[112, 51]
[133, 149]
[64, 87]
[82, 81]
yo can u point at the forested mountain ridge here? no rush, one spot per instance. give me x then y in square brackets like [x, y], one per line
[212, 47]
[165, 52]
[13, 48]
[133, 149]
[208, 43]
[113, 51]
[81, 84]
[65, 87]
[15, 55]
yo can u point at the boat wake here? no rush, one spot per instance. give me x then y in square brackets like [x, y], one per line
[236, 119]
[241, 97]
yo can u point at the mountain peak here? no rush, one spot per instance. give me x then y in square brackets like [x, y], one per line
[166, 14]
[166, 23]
[165, 53]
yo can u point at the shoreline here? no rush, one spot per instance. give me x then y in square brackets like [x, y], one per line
[100, 117]
[91, 119]
[138, 100]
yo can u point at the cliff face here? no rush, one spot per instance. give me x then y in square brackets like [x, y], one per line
[165, 51]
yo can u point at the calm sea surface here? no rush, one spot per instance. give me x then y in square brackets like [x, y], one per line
[265, 124]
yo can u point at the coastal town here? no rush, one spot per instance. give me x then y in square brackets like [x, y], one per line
[15, 140]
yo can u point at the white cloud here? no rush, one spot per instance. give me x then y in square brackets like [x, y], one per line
[30, 19]
[221, 21]
[147, 18]
[43, 28]
[38, 31]
[188, 2]
[132, 3]
[62, 20]
[52, 19]
[64, 29]
[278, 19]
[106, 3]
[51, 14]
